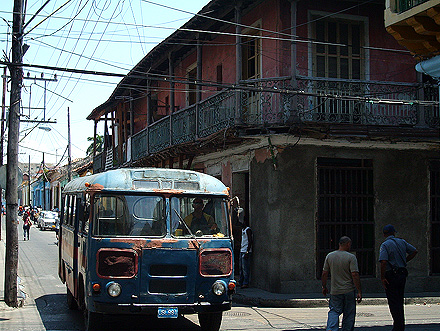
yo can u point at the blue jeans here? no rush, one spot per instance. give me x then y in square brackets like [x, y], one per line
[342, 304]
[245, 269]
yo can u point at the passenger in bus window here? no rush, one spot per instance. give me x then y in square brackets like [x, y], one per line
[199, 220]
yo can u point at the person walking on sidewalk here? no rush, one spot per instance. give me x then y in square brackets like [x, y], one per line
[26, 226]
[245, 254]
[393, 256]
[344, 271]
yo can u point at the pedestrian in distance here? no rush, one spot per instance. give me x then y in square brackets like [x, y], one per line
[394, 255]
[26, 226]
[247, 242]
[345, 282]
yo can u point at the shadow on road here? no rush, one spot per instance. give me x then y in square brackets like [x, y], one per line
[55, 315]
[409, 327]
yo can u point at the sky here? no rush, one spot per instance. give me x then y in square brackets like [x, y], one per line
[94, 35]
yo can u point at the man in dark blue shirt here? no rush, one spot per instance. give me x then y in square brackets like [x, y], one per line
[393, 256]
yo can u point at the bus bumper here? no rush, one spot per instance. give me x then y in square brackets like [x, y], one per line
[151, 309]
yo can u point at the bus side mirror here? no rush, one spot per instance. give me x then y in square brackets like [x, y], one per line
[240, 214]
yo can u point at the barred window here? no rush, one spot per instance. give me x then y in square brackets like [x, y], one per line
[346, 208]
[435, 216]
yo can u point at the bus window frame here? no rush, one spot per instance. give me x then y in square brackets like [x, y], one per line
[93, 211]
[203, 197]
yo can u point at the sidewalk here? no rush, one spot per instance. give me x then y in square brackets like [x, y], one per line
[20, 295]
[256, 297]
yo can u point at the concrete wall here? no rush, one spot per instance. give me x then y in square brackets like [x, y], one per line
[283, 207]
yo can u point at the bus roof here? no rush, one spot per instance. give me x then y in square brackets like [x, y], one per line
[149, 180]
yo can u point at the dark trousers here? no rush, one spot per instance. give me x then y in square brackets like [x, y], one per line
[395, 294]
[26, 232]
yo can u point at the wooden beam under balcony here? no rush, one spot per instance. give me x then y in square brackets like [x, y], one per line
[424, 25]
[417, 44]
[407, 33]
[434, 13]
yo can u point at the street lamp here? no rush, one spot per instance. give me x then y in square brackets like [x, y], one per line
[45, 128]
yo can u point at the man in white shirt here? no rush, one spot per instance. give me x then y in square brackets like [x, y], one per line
[245, 255]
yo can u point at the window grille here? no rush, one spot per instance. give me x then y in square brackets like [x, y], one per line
[435, 216]
[346, 208]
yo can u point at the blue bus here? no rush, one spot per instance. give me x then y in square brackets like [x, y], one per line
[147, 241]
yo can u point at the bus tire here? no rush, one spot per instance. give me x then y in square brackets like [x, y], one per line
[71, 302]
[92, 321]
[210, 321]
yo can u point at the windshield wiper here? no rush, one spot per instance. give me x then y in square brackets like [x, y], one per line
[186, 226]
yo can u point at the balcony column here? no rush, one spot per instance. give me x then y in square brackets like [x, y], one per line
[105, 143]
[198, 83]
[149, 105]
[171, 75]
[238, 64]
[199, 69]
[131, 131]
[293, 114]
[94, 137]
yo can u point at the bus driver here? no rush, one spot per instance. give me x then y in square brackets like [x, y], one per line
[199, 220]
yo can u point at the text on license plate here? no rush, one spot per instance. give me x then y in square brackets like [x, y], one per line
[167, 312]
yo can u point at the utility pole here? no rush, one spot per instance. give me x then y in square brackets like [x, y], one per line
[11, 258]
[69, 149]
[29, 182]
[44, 186]
[2, 138]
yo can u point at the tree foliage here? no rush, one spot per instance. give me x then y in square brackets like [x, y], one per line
[99, 144]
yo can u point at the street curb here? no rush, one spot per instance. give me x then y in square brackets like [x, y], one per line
[316, 303]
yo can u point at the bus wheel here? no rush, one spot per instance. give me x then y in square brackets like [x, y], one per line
[210, 321]
[93, 321]
[71, 302]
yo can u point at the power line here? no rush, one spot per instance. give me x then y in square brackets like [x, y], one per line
[238, 86]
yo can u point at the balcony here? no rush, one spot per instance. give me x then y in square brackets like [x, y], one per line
[404, 5]
[272, 104]
[415, 24]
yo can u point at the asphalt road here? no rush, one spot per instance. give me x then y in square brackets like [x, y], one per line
[45, 306]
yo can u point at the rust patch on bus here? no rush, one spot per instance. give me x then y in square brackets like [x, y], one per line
[136, 244]
[95, 187]
[169, 191]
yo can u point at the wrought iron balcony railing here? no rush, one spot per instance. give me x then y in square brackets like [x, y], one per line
[404, 5]
[274, 102]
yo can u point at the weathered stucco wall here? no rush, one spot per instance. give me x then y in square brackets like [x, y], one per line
[283, 207]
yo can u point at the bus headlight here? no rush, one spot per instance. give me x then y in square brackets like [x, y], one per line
[114, 289]
[219, 288]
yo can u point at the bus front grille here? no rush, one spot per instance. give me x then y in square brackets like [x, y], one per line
[167, 286]
[172, 270]
[168, 278]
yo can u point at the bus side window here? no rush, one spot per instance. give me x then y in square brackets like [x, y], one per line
[86, 214]
[80, 211]
[72, 211]
[66, 210]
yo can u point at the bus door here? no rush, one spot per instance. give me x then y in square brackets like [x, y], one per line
[83, 210]
[69, 242]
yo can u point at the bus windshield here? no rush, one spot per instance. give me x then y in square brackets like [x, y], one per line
[129, 215]
[199, 216]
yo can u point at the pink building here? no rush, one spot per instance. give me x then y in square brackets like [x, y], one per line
[313, 115]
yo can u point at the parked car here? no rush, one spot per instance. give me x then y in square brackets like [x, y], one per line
[48, 220]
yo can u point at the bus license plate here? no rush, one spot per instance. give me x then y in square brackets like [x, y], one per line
[167, 312]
